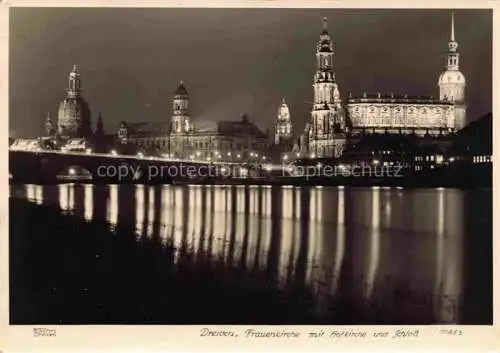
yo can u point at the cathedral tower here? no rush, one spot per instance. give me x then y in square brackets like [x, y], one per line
[181, 116]
[452, 82]
[326, 135]
[283, 126]
[73, 119]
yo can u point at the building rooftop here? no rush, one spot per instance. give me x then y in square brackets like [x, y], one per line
[149, 128]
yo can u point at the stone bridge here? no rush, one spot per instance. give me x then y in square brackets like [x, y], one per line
[53, 166]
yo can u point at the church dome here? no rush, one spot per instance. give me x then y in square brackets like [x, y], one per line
[451, 76]
[74, 116]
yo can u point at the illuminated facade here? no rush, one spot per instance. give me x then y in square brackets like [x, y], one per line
[326, 132]
[419, 115]
[74, 117]
[333, 122]
[401, 114]
[208, 140]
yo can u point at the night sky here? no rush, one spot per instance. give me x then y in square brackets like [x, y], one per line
[232, 61]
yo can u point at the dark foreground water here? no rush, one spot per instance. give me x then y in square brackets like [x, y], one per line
[89, 254]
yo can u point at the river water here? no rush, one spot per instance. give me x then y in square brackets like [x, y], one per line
[423, 253]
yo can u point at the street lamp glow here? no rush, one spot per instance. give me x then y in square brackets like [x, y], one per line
[229, 153]
[264, 157]
[238, 155]
[376, 161]
[191, 157]
[72, 171]
[88, 150]
[113, 152]
[285, 157]
[140, 155]
[198, 153]
[298, 154]
[313, 155]
[209, 159]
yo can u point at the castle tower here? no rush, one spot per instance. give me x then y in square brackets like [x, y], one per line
[73, 119]
[283, 126]
[326, 135]
[181, 116]
[452, 82]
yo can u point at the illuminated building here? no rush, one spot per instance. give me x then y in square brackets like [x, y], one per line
[283, 125]
[330, 126]
[420, 115]
[208, 140]
[326, 133]
[73, 119]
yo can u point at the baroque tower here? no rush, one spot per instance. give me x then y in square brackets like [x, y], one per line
[73, 119]
[452, 82]
[181, 116]
[327, 130]
[283, 126]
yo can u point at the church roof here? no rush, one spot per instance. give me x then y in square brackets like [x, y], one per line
[229, 128]
[149, 128]
[451, 76]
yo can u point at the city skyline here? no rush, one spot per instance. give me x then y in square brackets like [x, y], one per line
[140, 86]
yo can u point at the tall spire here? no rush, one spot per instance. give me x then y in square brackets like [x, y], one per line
[325, 23]
[452, 45]
[452, 38]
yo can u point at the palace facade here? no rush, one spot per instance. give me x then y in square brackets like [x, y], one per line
[332, 124]
[401, 114]
[227, 140]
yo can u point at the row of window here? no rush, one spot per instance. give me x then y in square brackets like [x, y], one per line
[411, 110]
[395, 122]
[202, 144]
[482, 159]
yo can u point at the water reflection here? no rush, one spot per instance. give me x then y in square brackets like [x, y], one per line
[369, 240]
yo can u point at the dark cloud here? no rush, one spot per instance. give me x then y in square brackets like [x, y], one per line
[232, 60]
